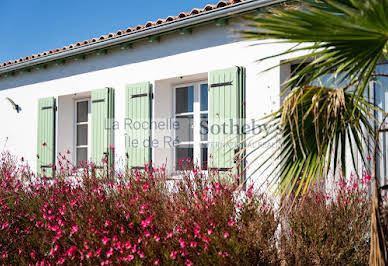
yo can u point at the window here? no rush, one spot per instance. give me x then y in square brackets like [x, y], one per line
[82, 130]
[191, 113]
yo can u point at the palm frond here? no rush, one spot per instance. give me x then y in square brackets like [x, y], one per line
[315, 128]
[345, 35]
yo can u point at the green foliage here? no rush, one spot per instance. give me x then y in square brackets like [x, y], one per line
[318, 125]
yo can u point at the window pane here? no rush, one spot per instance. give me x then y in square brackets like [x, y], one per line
[204, 127]
[82, 111]
[82, 155]
[184, 130]
[204, 157]
[82, 135]
[184, 100]
[182, 154]
[204, 99]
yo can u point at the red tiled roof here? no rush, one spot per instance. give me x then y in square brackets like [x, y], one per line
[149, 24]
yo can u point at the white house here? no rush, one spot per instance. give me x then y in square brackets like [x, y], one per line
[180, 76]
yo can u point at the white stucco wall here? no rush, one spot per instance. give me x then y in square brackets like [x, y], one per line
[188, 56]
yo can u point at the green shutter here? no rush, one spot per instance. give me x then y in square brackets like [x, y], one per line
[226, 110]
[46, 136]
[102, 126]
[138, 112]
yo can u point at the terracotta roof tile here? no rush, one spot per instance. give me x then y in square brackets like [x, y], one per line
[195, 11]
[149, 24]
[160, 21]
[183, 14]
[209, 7]
[170, 18]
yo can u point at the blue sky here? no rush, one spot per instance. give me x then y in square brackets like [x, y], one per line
[33, 26]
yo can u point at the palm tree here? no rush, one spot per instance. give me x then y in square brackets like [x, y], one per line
[341, 41]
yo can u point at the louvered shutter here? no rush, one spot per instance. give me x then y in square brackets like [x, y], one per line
[226, 107]
[138, 120]
[46, 136]
[102, 127]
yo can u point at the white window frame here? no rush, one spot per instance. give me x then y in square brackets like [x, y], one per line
[196, 121]
[75, 124]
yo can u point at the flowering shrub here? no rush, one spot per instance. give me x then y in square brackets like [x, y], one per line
[328, 229]
[137, 217]
[144, 218]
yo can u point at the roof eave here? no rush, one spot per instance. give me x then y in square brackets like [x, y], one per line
[239, 8]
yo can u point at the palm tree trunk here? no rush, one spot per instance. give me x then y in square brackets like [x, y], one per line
[377, 255]
[378, 252]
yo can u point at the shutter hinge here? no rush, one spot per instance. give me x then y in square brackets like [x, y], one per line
[138, 167]
[221, 169]
[229, 83]
[236, 151]
[98, 101]
[142, 95]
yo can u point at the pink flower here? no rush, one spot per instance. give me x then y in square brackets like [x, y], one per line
[249, 193]
[226, 235]
[105, 240]
[61, 261]
[145, 223]
[74, 229]
[98, 252]
[193, 244]
[109, 252]
[188, 262]
[157, 238]
[129, 257]
[182, 243]
[145, 187]
[156, 261]
[209, 231]
[173, 254]
[169, 235]
[89, 255]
